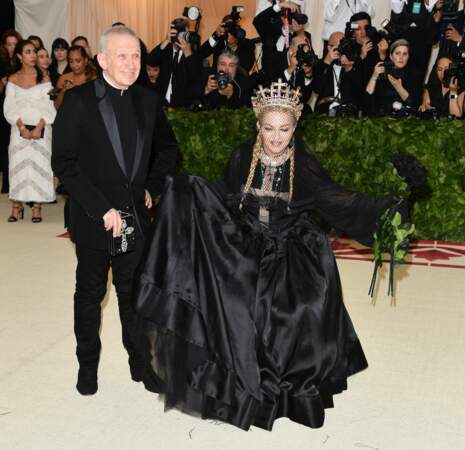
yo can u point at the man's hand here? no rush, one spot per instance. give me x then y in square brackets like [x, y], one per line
[148, 200]
[220, 31]
[332, 55]
[186, 47]
[292, 60]
[289, 5]
[228, 91]
[452, 34]
[346, 63]
[112, 221]
[212, 85]
[366, 47]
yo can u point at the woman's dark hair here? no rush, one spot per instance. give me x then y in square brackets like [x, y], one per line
[80, 49]
[4, 56]
[90, 69]
[32, 37]
[79, 38]
[17, 62]
[57, 43]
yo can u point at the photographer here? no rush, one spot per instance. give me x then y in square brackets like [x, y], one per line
[338, 78]
[393, 81]
[271, 27]
[441, 94]
[338, 12]
[180, 65]
[230, 36]
[229, 86]
[417, 22]
[299, 72]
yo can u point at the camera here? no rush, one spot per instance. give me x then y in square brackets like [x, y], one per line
[305, 55]
[223, 79]
[345, 110]
[231, 26]
[391, 69]
[376, 36]
[455, 70]
[300, 18]
[348, 45]
[181, 27]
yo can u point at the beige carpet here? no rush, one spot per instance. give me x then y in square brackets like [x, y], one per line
[411, 397]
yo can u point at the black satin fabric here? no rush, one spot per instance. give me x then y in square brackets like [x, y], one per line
[245, 323]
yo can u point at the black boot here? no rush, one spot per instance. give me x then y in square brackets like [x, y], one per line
[87, 381]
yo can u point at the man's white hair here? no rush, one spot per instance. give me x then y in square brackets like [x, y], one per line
[117, 29]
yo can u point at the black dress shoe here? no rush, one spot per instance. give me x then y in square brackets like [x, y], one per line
[137, 373]
[87, 382]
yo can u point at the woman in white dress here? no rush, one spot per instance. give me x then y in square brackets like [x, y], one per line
[30, 112]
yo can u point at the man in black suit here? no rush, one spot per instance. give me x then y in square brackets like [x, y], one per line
[237, 91]
[222, 40]
[337, 80]
[180, 68]
[112, 148]
[270, 24]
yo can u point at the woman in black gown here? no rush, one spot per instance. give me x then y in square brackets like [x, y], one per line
[239, 302]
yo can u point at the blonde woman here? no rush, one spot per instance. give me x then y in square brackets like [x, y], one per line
[240, 303]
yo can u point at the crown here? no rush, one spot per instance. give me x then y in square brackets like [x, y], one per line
[278, 94]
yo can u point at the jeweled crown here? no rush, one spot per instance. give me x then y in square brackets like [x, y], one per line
[279, 94]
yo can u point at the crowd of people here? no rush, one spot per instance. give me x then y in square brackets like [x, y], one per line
[363, 71]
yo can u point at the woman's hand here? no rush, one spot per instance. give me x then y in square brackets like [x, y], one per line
[378, 70]
[424, 107]
[454, 86]
[396, 82]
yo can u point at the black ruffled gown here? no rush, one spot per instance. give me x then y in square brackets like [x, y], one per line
[243, 321]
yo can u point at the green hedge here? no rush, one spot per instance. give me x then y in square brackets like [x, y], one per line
[355, 153]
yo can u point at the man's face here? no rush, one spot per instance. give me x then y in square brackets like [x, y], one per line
[360, 34]
[121, 61]
[227, 65]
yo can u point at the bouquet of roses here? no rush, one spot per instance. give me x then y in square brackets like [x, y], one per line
[393, 236]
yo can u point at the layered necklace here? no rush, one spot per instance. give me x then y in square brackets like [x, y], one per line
[272, 168]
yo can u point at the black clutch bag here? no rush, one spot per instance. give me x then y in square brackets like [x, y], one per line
[31, 127]
[126, 241]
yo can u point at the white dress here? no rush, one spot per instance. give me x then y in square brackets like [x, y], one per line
[30, 171]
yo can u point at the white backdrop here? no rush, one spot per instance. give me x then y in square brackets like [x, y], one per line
[45, 18]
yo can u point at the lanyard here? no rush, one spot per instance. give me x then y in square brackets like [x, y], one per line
[355, 6]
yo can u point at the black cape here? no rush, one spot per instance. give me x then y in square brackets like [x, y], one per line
[245, 323]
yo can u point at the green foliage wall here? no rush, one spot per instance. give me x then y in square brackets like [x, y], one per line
[355, 153]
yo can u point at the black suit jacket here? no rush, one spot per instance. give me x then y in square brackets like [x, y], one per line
[186, 79]
[87, 156]
[351, 86]
[269, 27]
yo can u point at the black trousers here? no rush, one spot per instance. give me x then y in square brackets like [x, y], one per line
[91, 285]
